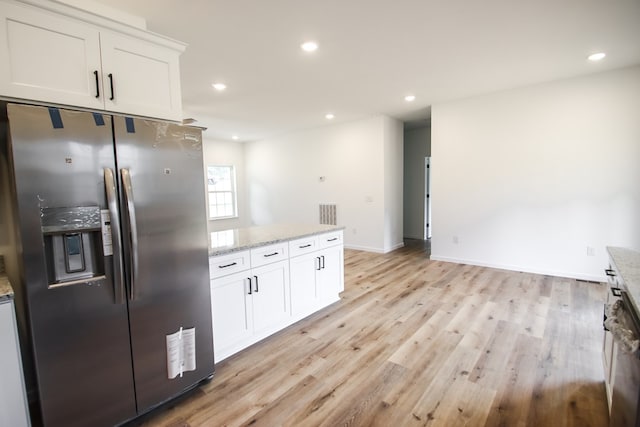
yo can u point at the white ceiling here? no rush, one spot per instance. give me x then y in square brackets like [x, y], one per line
[374, 52]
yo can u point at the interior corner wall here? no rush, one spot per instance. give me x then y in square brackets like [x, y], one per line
[417, 146]
[225, 153]
[288, 177]
[393, 182]
[529, 179]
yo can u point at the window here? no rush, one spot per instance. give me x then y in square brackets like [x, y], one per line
[221, 188]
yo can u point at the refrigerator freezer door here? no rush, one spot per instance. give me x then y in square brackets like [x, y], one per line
[79, 330]
[161, 173]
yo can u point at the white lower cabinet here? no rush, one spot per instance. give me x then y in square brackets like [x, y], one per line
[317, 278]
[13, 401]
[304, 278]
[249, 306]
[281, 284]
[270, 297]
[232, 313]
[331, 275]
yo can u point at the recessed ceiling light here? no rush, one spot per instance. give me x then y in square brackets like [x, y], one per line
[235, 137]
[410, 98]
[219, 86]
[329, 116]
[596, 56]
[309, 46]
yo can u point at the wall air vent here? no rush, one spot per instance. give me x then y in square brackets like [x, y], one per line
[328, 214]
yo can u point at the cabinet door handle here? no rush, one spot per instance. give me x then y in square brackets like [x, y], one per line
[95, 73]
[322, 256]
[304, 246]
[250, 287]
[268, 255]
[617, 292]
[256, 277]
[609, 272]
[318, 267]
[111, 86]
[227, 265]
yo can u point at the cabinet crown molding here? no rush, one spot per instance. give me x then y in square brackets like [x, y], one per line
[120, 22]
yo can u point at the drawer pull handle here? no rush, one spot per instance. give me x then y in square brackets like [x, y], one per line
[304, 246]
[332, 240]
[228, 265]
[616, 292]
[609, 272]
[273, 254]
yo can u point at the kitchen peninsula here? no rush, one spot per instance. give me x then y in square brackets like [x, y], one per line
[265, 278]
[13, 400]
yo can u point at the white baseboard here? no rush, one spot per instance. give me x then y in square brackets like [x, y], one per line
[374, 250]
[570, 275]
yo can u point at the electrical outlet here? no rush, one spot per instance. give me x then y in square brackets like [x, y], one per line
[455, 240]
[591, 251]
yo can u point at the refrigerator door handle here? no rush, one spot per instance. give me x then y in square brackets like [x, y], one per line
[133, 231]
[112, 203]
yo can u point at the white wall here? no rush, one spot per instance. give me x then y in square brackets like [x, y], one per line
[393, 181]
[224, 153]
[528, 178]
[283, 179]
[417, 146]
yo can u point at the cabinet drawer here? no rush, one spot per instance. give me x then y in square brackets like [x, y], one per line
[263, 255]
[303, 246]
[331, 239]
[223, 265]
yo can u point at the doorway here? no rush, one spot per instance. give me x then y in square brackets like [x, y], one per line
[427, 198]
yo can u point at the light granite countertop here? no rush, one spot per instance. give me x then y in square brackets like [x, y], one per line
[627, 264]
[226, 241]
[6, 292]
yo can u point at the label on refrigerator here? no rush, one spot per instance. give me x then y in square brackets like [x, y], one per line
[181, 352]
[105, 222]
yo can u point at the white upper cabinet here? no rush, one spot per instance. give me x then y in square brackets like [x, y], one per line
[48, 58]
[139, 77]
[53, 58]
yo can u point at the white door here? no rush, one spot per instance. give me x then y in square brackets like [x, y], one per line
[270, 291]
[48, 58]
[232, 312]
[304, 294]
[140, 77]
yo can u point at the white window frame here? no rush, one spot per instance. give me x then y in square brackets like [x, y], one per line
[214, 194]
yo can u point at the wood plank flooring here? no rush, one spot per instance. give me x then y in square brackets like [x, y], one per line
[416, 342]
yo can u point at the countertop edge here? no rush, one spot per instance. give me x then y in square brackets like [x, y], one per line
[627, 263]
[228, 250]
[6, 291]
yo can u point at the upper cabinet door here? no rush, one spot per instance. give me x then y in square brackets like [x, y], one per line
[46, 57]
[140, 77]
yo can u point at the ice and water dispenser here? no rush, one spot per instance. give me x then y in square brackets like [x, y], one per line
[73, 243]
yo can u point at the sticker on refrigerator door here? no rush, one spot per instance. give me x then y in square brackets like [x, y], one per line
[181, 352]
[105, 222]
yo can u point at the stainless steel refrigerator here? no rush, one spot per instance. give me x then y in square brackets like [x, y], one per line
[110, 260]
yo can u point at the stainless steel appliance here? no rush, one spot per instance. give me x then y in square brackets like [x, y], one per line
[110, 259]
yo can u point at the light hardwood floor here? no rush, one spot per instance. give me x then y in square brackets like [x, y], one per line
[419, 342]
